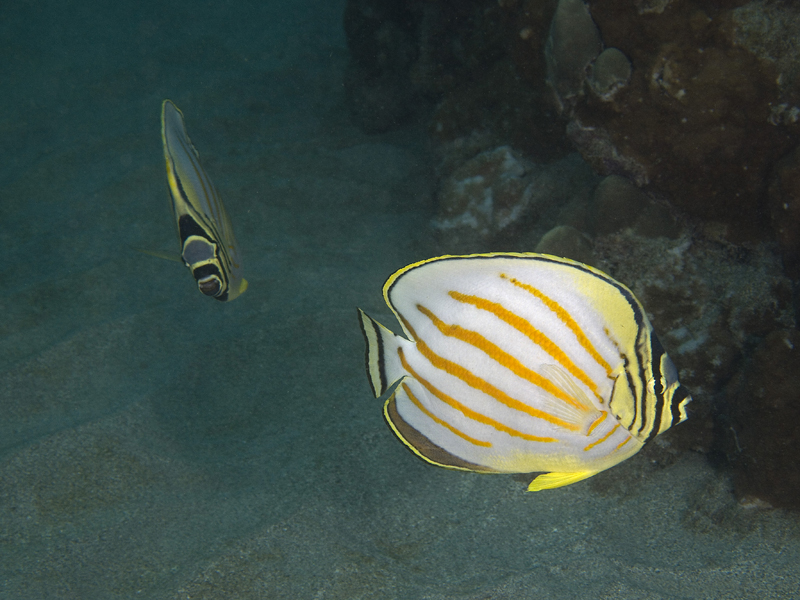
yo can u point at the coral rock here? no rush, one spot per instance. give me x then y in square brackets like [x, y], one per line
[769, 29]
[498, 197]
[572, 46]
[567, 242]
[784, 196]
[762, 438]
[610, 72]
[710, 304]
[599, 149]
[695, 116]
[486, 194]
[619, 204]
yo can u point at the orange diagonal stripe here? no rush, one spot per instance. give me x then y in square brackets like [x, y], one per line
[565, 318]
[469, 413]
[436, 419]
[501, 356]
[597, 422]
[536, 336]
[472, 380]
[602, 439]
[623, 442]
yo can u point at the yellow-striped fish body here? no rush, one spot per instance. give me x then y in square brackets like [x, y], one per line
[208, 246]
[520, 363]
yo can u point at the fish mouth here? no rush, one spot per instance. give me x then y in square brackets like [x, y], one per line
[210, 285]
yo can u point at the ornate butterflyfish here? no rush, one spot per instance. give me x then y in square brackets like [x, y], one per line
[208, 246]
[520, 363]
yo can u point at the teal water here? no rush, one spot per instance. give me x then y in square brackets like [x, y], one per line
[157, 444]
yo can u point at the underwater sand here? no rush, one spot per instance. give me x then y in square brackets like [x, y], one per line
[155, 443]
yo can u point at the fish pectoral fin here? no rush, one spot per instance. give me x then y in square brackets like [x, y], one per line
[578, 410]
[566, 382]
[550, 481]
[159, 254]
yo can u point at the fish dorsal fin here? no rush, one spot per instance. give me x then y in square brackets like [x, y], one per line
[550, 481]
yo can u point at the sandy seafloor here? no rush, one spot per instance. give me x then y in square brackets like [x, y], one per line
[155, 443]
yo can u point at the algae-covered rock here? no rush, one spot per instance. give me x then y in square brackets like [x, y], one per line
[710, 304]
[610, 72]
[769, 30]
[695, 116]
[567, 242]
[762, 439]
[784, 204]
[619, 204]
[573, 44]
[499, 197]
[484, 195]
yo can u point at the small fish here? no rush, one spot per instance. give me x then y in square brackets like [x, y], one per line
[208, 246]
[520, 363]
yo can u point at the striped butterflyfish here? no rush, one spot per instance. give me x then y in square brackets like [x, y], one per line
[520, 363]
[208, 246]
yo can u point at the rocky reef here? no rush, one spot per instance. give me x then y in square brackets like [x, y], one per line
[697, 118]
[656, 139]
[759, 430]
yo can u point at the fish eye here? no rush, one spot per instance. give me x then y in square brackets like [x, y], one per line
[210, 285]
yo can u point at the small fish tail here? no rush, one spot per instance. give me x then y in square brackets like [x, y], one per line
[237, 289]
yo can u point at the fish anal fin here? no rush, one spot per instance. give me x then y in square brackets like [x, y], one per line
[420, 445]
[550, 481]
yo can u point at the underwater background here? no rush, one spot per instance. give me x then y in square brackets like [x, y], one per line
[155, 443]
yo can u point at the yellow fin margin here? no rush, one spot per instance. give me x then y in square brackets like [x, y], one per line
[550, 481]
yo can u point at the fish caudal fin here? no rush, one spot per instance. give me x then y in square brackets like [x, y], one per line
[243, 284]
[550, 481]
[383, 364]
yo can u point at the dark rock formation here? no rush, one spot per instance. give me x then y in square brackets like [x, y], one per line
[690, 109]
[695, 117]
[784, 204]
[762, 438]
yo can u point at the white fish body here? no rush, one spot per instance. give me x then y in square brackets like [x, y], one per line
[521, 363]
[208, 246]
